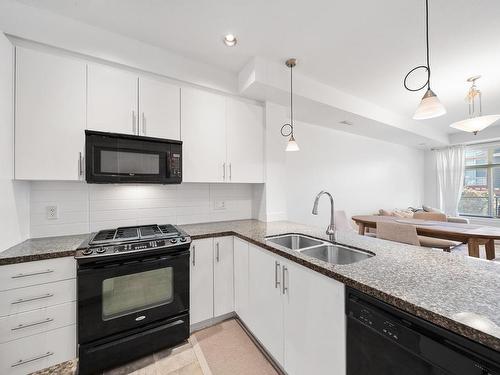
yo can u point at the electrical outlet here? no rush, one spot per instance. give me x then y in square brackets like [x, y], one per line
[51, 212]
[219, 205]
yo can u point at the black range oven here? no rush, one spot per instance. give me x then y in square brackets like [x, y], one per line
[133, 296]
[122, 158]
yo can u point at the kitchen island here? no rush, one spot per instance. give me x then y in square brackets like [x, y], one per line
[458, 293]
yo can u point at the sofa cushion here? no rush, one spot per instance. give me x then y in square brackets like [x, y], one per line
[431, 209]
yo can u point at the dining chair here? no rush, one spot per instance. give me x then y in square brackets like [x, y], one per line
[437, 243]
[434, 216]
[397, 232]
[342, 222]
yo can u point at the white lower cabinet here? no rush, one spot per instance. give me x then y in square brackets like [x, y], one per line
[265, 318]
[314, 322]
[211, 276]
[37, 352]
[201, 296]
[223, 276]
[241, 303]
[297, 314]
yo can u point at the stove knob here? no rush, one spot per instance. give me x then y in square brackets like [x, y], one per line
[183, 239]
[173, 240]
[87, 251]
[101, 250]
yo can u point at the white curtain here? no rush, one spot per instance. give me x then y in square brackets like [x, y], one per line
[450, 164]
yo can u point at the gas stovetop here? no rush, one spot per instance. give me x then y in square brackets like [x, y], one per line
[133, 239]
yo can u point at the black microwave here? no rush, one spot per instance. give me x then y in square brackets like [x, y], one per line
[122, 158]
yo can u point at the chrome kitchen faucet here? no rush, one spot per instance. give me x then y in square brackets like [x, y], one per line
[330, 230]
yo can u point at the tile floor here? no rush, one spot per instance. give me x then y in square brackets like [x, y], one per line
[223, 349]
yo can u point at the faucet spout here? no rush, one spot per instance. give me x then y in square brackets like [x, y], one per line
[330, 230]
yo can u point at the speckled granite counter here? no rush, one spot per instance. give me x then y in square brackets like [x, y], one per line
[42, 248]
[459, 293]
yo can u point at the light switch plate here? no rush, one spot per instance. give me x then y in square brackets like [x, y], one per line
[51, 212]
[219, 205]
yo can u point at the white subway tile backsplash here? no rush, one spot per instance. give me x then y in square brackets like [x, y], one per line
[85, 207]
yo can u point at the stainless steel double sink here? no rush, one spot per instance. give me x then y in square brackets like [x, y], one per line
[322, 250]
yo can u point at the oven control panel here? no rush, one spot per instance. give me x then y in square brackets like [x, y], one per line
[132, 247]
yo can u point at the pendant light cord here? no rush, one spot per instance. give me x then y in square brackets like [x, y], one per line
[428, 66]
[290, 125]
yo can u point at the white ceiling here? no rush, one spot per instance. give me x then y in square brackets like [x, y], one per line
[362, 47]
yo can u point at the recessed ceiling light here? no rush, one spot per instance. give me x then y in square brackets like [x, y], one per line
[230, 40]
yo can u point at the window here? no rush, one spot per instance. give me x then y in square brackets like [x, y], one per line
[481, 194]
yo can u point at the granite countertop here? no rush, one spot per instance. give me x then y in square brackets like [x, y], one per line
[43, 248]
[459, 293]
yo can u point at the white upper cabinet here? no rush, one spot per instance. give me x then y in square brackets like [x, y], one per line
[245, 141]
[223, 138]
[112, 100]
[159, 108]
[49, 116]
[203, 135]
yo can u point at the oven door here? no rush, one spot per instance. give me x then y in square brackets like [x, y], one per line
[116, 297]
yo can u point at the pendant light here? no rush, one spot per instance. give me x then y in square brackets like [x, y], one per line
[430, 106]
[287, 129]
[476, 121]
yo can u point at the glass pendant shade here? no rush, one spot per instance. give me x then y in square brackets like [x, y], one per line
[475, 124]
[430, 106]
[292, 145]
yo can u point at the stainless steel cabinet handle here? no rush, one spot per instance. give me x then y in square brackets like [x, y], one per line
[134, 126]
[20, 275]
[21, 326]
[143, 124]
[217, 252]
[22, 300]
[230, 172]
[224, 171]
[80, 164]
[194, 255]
[23, 361]
[285, 287]
[276, 274]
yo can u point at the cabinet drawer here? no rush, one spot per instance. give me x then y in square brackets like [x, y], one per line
[15, 301]
[13, 327]
[33, 273]
[37, 352]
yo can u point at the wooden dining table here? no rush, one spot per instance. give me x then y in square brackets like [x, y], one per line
[471, 234]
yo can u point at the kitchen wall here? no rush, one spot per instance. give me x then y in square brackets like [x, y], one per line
[86, 207]
[14, 195]
[363, 174]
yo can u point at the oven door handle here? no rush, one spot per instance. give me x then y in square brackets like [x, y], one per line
[152, 260]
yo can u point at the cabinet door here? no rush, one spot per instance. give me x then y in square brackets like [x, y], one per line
[265, 300]
[201, 296]
[241, 305]
[314, 319]
[49, 116]
[245, 141]
[159, 108]
[112, 100]
[223, 276]
[204, 136]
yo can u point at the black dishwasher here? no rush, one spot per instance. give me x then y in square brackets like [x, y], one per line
[382, 339]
